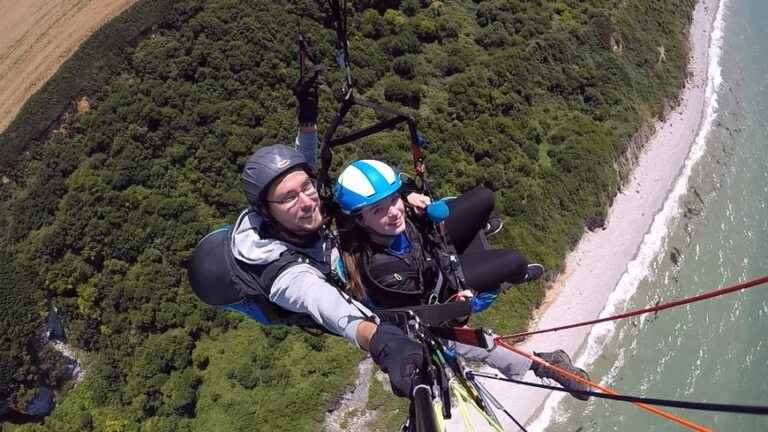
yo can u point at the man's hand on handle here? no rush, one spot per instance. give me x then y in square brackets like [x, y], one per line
[400, 357]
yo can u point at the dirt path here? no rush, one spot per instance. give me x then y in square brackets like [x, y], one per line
[351, 415]
[37, 36]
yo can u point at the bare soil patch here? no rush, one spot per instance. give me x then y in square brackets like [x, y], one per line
[37, 36]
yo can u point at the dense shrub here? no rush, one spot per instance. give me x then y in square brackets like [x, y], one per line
[402, 92]
[531, 99]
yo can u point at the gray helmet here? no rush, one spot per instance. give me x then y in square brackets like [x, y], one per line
[264, 166]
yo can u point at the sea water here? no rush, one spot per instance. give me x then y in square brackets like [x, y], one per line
[712, 232]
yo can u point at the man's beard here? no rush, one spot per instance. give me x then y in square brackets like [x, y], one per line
[302, 237]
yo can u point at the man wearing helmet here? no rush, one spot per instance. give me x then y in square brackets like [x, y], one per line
[275, 264]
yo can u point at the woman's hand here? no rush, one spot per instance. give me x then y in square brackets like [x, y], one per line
[418, 201]
[479, 302]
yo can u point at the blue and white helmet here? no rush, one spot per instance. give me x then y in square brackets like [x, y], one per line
[364, 183]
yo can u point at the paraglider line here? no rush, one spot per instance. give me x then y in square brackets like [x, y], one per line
[702, 406]
[661, 413]
[656, 308]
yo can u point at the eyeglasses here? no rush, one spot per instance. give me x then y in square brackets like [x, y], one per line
[290, 198]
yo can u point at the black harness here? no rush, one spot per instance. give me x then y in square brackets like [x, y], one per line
[219, 279]
[430, 273]
[394, 280]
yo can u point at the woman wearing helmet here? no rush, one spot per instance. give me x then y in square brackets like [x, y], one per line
[389, 264]
[386, 244]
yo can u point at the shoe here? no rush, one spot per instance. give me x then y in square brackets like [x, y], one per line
[493, 226]
[533, 272]
[561, 359]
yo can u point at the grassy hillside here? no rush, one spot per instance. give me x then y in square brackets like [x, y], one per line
[534, 99]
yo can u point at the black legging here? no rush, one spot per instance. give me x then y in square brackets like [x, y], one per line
[484, 269]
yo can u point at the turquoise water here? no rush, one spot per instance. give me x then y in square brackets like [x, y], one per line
[714, 351]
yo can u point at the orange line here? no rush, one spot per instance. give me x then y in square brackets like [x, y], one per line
[671, 417]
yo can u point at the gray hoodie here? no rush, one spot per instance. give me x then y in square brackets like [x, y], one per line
[300, 288]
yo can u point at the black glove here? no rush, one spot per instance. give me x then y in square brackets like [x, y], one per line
[307, 96]
[400, 357]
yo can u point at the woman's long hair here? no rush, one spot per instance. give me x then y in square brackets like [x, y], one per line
[353, 241]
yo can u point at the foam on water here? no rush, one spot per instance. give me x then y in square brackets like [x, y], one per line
[655, 240]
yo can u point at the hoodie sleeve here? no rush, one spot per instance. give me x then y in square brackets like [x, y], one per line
[306, 144]
[302, 288]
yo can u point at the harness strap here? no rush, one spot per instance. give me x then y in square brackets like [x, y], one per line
[478, 337]
[286, 260]
[427, 314]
